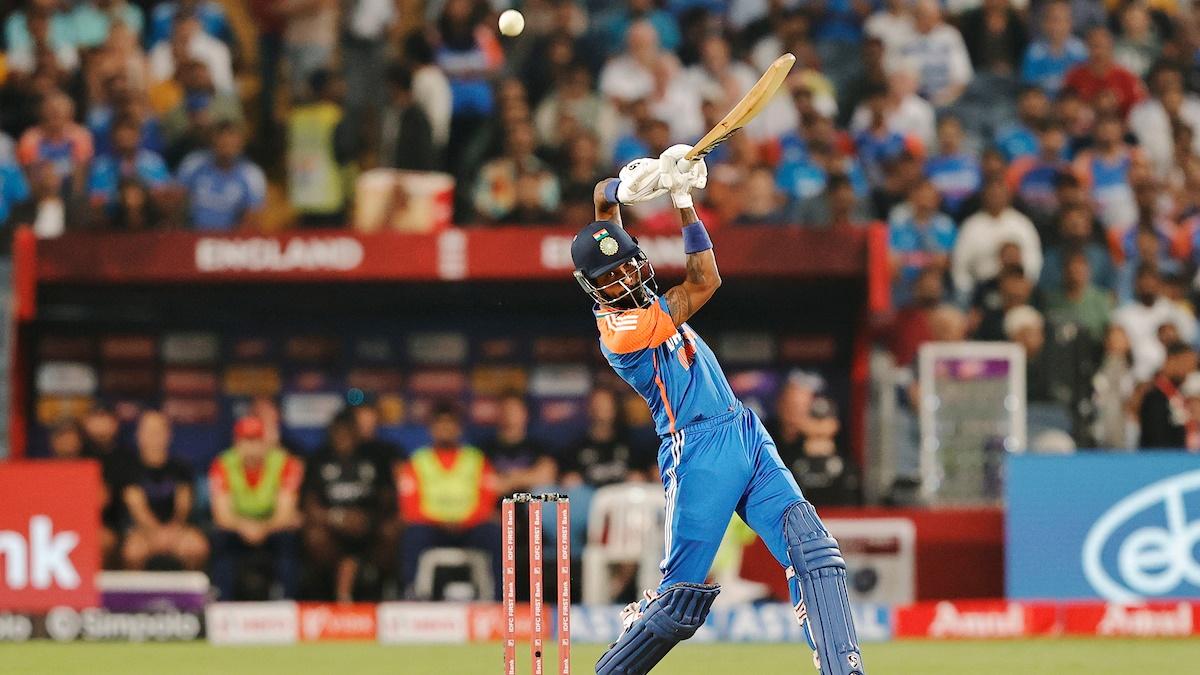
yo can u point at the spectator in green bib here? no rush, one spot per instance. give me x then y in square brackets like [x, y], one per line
[447, 498]
[255, 489]
[321, 150]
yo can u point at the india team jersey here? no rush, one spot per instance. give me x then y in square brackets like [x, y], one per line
[672, 368]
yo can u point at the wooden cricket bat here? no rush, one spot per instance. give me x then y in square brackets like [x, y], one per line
[750, 106]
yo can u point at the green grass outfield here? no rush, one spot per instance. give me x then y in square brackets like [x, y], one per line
[1030, 657]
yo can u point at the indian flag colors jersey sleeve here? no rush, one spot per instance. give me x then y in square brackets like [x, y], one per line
[672, 368]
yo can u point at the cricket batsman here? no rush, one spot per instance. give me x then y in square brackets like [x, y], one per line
[716, 457]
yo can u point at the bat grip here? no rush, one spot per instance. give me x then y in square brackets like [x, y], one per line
[684, 164]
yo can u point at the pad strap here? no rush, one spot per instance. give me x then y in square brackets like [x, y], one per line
[672, 617]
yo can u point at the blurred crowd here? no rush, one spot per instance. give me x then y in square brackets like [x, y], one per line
[354, 518]
[215, 115]
[1037, 165]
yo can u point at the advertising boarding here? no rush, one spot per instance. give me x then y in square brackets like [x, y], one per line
[1124, 528]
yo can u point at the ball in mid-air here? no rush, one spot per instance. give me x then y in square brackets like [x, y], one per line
[511, 22]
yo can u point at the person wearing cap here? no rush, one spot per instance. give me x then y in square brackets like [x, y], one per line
[1163, 414]
[267, 411]
[255, 492]
[157, 497]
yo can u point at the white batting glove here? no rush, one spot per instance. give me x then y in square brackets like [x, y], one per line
[640, 181]
[680, 176]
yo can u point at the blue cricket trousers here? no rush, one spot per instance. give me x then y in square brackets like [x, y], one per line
[710, 470]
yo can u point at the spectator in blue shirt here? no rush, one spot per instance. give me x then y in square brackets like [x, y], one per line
[14, 189]
[802, 178]
[614, 30]
[100, 122]
[127, 160]
[877, 144]
[1034, 178]
[1019, 139]
[803, 175]
[225, 190]
[1048, 58]
[650, 138]
[955, 174]
[209, 12]
[118, 98]
[920, 236]
[1144, 247]
[841, 20]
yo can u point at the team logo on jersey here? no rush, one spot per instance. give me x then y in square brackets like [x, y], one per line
[687, 355]
[622, 322]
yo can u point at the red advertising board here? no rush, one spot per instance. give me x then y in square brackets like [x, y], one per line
[325, 622]
[49, 543]
[1159, 619]
[974, 620]
[493, 253]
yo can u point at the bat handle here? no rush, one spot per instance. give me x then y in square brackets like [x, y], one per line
[684, 165]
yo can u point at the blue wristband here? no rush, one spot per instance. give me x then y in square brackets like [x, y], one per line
[695, 238]
[610, 191]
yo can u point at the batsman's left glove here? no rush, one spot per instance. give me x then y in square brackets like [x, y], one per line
[680, 176]
[640, 181]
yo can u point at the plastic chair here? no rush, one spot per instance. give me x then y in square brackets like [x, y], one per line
[625, 525]
[477, 563]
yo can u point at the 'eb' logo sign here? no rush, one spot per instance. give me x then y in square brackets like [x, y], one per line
[49, 545]
[1145, 545]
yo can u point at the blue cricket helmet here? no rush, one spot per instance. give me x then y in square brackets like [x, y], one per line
[603, 246]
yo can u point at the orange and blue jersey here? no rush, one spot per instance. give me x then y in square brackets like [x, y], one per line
[956, 178]
[74, 149]
[672, 368]
[715, 457]
[1034, 179]
[1108, 182]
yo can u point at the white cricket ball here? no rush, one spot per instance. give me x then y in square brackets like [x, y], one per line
[511, 22]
